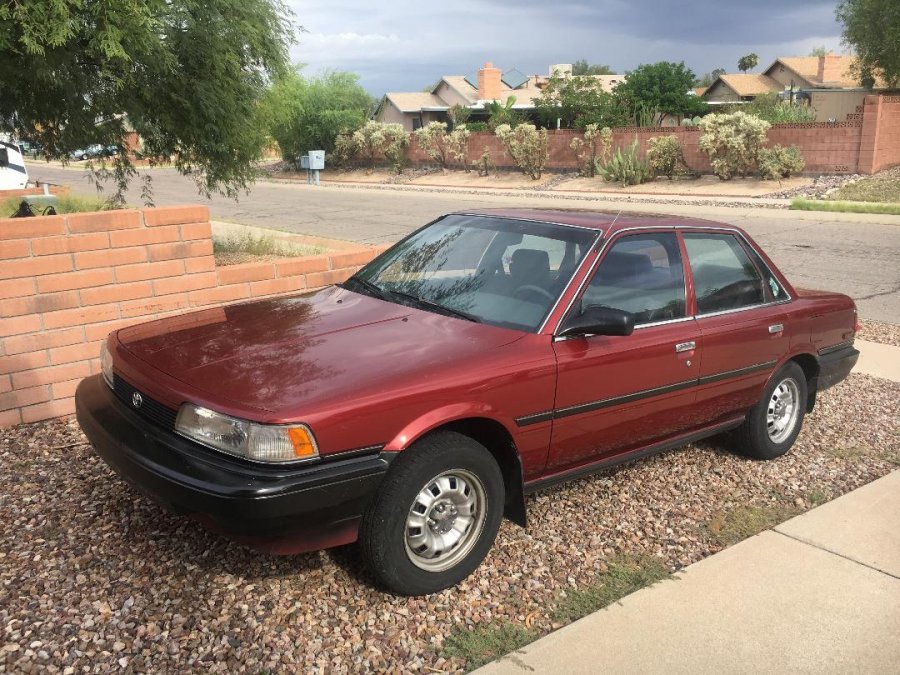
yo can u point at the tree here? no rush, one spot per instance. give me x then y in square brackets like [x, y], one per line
[707, 79]
[660, 89]
[820, 51]
[872, 29]
[577, 102]
[582, 67]
[308, 114]
[187, 76]
[748, 62]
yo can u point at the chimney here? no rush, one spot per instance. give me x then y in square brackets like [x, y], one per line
[830, 68]
[489, 82]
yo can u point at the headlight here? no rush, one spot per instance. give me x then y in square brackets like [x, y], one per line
[106, 365]
[259, 442]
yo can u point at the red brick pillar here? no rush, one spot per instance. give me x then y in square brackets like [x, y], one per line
[868, 144]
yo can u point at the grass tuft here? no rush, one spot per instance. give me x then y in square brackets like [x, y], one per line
[883, 187]
[801, 204]
[624, 576]
[487, 642]
[727, 529]
[247, 246]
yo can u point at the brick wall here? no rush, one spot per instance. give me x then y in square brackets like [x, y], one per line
[67, 281]
[867, 142]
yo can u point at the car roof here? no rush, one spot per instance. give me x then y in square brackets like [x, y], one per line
[608, 222]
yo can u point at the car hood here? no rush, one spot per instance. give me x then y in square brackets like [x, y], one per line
[292, 353]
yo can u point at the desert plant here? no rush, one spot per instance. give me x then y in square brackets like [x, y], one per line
[666, 156]
[592, 149]
[779, 162]
[528, 147]
[627, 167]
[485, 163]
[503, 113]
[345, 149]
[774, 110]
[377, 138]
[434, 140]
[458, 145]
[732, 141]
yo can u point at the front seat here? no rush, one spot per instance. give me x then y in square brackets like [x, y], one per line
[530, 267]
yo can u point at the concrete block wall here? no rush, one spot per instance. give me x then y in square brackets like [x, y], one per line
[67, 281]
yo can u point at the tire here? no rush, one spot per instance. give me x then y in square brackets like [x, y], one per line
[445, 489]
[775, 422]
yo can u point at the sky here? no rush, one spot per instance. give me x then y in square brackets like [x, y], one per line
[398, 45]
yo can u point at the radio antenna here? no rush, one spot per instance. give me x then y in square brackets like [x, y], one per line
[616, 218]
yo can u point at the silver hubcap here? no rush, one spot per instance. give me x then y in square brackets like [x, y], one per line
[445, 520]
[783, 411]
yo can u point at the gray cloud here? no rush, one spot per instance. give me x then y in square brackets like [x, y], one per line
[405, 45]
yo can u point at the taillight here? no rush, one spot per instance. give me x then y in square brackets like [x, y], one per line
[857, 327]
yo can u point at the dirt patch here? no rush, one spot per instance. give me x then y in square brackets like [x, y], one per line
[704, 186]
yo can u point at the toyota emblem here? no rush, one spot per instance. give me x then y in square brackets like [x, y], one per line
[136, 400]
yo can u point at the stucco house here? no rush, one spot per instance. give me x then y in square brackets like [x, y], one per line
[416, 109]
[826, 83]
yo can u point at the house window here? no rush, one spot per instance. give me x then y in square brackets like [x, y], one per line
[417, 122]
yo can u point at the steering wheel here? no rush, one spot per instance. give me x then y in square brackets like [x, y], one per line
[530, 288]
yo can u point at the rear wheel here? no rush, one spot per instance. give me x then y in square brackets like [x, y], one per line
[435, 516]
[775, 422]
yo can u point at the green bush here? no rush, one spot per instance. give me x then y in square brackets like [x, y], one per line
[772, 109]
[627, 167]
[732, 141]
[592, 149]
[477, 127]
[528, 147]
[666, 157]
[778, 162]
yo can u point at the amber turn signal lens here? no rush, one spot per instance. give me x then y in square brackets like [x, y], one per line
[303, 444]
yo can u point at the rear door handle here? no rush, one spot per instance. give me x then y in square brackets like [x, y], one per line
[776, 328]
[685, 346]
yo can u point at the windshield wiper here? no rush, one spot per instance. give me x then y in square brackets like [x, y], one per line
[424, 302]
[377, 291]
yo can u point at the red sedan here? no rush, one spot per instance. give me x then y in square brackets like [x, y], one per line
[485, 356]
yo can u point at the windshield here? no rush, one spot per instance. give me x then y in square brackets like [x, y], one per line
[497, 271]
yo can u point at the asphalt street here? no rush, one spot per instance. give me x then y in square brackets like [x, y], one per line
[851, 253]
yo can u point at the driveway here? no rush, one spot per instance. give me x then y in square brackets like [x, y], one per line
[851, 253]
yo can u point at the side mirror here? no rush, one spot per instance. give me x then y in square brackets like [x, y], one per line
[599, 321]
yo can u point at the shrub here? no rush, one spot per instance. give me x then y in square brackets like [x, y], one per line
[732, 141]
[666, 157]
[593, 149]
[778, 162]
[345, 149]
[434, 140]
[627, 167]
[774, 110]
[377, 138]
[458, 145]
[485, 163]
[459, 114]
[477, 127]
[528, 147]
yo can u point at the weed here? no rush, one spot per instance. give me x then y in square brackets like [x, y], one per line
[883, 187]
[851, 452]
[238, 248]
[62, 203]
[727, 529]
[817, 496]
[624, 576]
[487, 643]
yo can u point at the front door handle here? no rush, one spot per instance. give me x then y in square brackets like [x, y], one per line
[685, 346]
[776, 328]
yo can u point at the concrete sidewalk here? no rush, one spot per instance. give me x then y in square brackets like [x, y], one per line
[819, 593]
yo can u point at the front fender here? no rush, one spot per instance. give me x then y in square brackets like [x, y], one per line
[415, 429]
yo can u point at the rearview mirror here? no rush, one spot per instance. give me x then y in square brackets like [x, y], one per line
[599, 321]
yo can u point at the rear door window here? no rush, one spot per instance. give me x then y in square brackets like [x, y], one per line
[724, 276]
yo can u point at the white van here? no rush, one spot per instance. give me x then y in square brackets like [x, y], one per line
[13, 174]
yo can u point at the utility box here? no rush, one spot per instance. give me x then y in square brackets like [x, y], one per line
[316, 160]
[304, 161]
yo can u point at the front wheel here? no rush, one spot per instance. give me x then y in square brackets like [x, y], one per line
[774, 423]
[435, 516]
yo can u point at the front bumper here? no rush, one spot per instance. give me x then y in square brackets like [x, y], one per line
[277, 508]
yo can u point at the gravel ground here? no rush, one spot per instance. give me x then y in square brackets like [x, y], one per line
[820, 188]
[879, 331]
[94, 577]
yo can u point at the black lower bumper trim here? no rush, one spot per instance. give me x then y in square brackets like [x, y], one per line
[320, 503]
[835, 365]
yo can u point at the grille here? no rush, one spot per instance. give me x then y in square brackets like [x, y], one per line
[151, 409]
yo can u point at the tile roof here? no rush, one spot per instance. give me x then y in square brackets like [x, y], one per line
[749, 84]
[808, 68]
[415, 101]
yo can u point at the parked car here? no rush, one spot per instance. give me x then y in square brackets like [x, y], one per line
[90, 152]
[485, 356]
